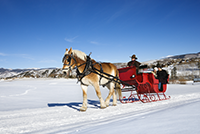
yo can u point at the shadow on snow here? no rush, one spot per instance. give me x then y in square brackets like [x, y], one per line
[76, 105]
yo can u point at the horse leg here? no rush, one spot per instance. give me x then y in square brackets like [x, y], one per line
[117, 91]
[98, 92]
[114, 99]
[111, 92]
[84, 105]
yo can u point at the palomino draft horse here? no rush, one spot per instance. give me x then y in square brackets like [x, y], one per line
[78, 59]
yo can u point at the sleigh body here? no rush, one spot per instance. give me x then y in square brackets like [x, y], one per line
[144, 86]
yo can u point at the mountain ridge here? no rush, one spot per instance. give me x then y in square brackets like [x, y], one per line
[189, 61]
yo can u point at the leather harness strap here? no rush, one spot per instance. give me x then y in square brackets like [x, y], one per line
[89, 68]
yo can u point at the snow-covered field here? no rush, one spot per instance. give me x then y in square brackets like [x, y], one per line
[24, 109]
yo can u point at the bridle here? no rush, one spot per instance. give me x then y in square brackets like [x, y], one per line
[68, 60]
[88, 66]
[88, 61]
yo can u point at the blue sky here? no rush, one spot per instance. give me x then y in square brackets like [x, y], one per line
[35, 33]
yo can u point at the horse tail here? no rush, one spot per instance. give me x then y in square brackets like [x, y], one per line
[118, 85]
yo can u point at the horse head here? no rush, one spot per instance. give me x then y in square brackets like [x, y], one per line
[71, 59]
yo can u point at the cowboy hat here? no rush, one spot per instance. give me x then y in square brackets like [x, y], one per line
[133, 56]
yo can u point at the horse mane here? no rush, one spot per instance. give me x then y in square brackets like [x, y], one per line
[79, 54]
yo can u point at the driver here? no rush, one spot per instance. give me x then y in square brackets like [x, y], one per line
[133, 62]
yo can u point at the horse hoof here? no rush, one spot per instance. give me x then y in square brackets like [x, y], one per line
[103, 107]
[114, 104]
[83, 109]
[107, 104]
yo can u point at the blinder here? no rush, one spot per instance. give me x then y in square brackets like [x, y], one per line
[70, 56]
[68, 60]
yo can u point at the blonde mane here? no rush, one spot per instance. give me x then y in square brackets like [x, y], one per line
[79, 54]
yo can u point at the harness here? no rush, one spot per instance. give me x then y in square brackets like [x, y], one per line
[89, 68]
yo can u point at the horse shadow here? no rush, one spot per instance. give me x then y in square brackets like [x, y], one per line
[76, 105]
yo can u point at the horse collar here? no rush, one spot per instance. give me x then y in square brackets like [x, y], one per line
[87, 70]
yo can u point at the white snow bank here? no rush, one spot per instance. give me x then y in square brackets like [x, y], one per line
[24, 109]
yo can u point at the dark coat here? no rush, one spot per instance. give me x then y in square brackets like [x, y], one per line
[162, 76]
[134, 63]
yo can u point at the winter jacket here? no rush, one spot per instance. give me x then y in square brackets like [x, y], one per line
[134, 63]
[162, 76]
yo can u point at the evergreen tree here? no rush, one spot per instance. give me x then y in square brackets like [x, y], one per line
[198, 65]
[174, 73]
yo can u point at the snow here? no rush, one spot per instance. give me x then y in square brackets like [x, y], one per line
[24, 109]
[7, 74]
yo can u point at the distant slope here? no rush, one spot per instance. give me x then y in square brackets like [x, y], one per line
[31, 73]
[187, 65]
[186, 56]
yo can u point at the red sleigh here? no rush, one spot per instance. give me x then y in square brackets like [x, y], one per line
[142, 86]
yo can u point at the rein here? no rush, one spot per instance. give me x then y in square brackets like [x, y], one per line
[89, 68]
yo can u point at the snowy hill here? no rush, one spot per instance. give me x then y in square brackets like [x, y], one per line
[31, 73]
[186, 56]
[187, 66]
[176, 60]
[10, 72]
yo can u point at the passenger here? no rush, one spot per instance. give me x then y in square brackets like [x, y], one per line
[162, 76]
[133, 62]
[155, 71]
